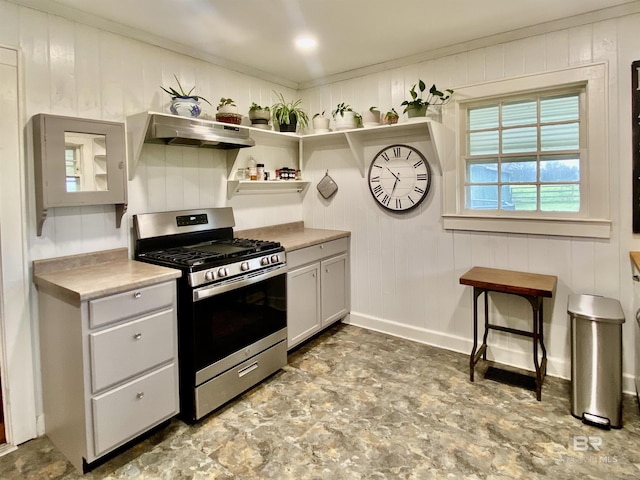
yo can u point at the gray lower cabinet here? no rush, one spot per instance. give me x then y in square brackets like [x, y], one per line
[109, 368]
[318, 288]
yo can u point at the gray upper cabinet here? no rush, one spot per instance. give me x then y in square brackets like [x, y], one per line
[78, 162]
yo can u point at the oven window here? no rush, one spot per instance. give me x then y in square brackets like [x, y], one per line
[230, 321]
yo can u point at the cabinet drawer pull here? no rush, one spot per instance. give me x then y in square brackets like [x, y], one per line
[137, 295]
[638, 315]
[249, 369]
[137, 336]
[140, 395]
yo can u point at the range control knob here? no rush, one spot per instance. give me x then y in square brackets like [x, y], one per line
[244, 266]
[209, 275]
[222, 272]
[264, 261]
[275, 258]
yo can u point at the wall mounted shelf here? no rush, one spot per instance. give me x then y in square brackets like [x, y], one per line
[356, 140]
[249, 187]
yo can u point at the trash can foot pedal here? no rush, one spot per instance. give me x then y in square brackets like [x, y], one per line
[596, 421]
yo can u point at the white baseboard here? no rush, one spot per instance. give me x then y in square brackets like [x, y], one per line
[556, 367]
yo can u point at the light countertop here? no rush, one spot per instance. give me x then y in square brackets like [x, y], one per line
[293, 236]
[77, 278]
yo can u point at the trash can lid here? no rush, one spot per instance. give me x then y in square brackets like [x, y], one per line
[593, 307]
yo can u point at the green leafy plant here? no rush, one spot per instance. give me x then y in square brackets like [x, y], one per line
[321, 114]
[391, 114]
[340, 109]
[224, 102]
[181, 93]
[373, 109]
[254, 106]
[282, 110]
[434, 97]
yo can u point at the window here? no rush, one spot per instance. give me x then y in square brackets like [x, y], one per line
[523, 154]
[530, 155]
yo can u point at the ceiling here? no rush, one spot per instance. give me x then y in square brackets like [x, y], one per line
[256, 36]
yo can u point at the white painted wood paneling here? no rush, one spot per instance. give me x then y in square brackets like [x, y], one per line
[386, 279]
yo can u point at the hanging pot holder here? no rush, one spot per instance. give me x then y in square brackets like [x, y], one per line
[327, 186]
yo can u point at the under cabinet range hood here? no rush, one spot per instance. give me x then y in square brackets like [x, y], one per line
[191, 132]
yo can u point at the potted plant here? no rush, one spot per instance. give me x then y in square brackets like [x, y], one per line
[391, 117]
[345, 117]
[259, 115]
[228, 112]
[371, 117]
[288, 115]
[184, 103]
[320, 123]
[417, 106]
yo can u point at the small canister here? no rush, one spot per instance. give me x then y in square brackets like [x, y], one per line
[260, 171]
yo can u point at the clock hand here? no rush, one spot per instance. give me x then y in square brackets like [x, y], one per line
[394, 185]
[396, 176]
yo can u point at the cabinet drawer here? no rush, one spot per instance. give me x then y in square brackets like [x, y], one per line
[121, 352]
[317, 252]
[129, 304]
[122, 413]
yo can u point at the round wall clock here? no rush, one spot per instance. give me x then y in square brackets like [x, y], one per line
[399, 178]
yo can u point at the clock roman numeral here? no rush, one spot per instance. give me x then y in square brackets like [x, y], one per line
[377, 166]
[398, 203]
[411, 200]
[377, 191]
[417, 164]
[421, 176]
[375, 179]
[418, 190]
[385, 155]
[386, 199]
[397, 152]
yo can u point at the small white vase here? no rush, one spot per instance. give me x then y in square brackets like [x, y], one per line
[346, 121]
[185, 107]
[371, 118]
[320, 124]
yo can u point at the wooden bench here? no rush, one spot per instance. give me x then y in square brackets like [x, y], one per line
[531, 286]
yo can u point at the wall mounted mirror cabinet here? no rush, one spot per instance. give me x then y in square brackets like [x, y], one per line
[78, 162]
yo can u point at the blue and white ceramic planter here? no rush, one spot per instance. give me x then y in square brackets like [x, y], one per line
[185, 107]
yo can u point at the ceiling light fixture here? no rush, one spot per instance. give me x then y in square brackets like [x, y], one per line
[306, 43]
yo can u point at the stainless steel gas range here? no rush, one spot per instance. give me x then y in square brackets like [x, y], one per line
[232, 319]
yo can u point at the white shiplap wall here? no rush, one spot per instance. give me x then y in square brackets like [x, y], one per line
[404, 269]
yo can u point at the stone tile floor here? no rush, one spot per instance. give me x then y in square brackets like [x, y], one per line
[356, 404]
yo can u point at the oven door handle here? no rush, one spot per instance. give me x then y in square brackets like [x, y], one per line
[210, 291]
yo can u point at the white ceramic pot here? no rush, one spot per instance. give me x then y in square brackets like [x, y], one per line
[185, 107]
[320, 124]
[346, 121]
[371, 118]
[228, 109]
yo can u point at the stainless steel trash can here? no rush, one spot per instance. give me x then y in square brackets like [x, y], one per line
[596, 359]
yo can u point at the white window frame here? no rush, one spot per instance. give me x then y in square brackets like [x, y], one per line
[594, 219]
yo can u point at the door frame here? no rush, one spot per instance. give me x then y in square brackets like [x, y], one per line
[16, 320]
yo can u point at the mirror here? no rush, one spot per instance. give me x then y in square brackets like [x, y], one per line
[85, 156]
[78, 162]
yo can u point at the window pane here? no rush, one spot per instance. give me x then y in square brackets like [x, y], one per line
[524, 197]
[483, 197]
[559, 169]
[521, 170]
[560, 137]
[482, 172]
[483, 117]
[559, 109]
[506, 200]
[520, 140]
[520, 113]
[483, 143]
[560, 198]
